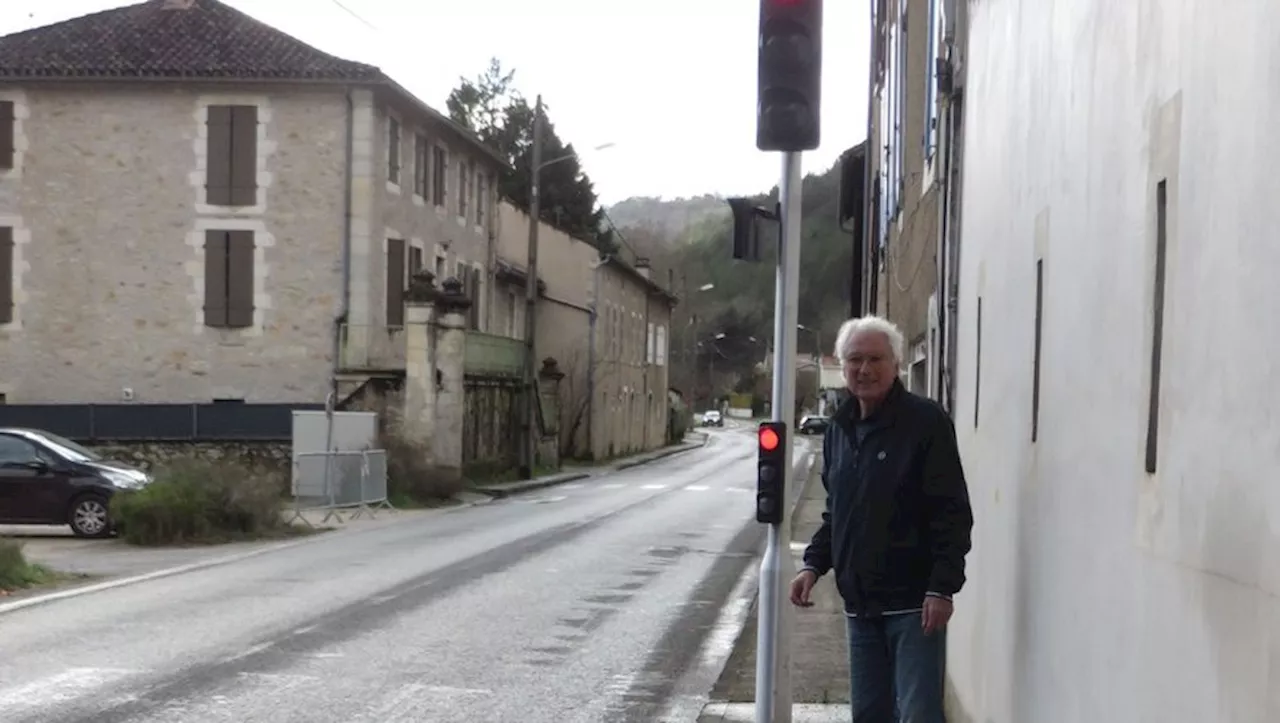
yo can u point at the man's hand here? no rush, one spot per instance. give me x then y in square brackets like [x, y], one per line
[937, 611]
[801, 587]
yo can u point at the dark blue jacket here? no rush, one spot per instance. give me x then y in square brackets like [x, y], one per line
[897, 524]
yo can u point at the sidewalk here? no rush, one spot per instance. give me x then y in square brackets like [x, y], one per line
[819, 657]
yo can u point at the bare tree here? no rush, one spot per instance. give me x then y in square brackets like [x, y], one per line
[575, 402]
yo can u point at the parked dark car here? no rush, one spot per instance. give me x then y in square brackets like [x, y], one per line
[814, 424]
[46, 479]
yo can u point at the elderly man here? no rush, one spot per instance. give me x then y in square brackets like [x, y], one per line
[896, 530]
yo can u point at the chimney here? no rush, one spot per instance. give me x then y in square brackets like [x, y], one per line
[646, 270]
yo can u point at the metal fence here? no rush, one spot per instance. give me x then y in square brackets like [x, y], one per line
[215, 422]
[334, 481]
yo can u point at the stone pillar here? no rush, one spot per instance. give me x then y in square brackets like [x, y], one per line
[451, 344]
[549, 377]
[420, 389]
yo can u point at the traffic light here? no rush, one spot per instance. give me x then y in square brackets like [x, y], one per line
[771, 479]
[746, 234]
[790, 75]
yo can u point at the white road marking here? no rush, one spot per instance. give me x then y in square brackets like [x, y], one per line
[63, 687]
[697, 488]
[612, 486]
[572, 486]
[654, 487]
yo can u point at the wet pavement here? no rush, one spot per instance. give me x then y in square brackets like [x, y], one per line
[597, 600]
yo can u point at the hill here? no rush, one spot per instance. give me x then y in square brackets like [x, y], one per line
[740, 302]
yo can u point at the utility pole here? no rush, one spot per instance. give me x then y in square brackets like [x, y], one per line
[529, 444]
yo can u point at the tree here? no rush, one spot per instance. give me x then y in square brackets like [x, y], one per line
[491, 107]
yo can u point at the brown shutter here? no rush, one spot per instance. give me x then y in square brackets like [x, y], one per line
[244, 155]
[475, 297]
[218, 151]
[6, 134]
[6, 275]
[215, 278]
[240, 250]
[395, 282]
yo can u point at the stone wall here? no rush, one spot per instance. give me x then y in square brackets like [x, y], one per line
[266, 458]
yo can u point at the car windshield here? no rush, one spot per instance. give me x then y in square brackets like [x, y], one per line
[68, 449]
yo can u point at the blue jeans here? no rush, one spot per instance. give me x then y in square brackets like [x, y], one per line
[895, 670]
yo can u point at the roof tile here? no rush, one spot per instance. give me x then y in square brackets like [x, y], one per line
[171, 39]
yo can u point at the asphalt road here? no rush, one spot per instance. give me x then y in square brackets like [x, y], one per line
[592, 601]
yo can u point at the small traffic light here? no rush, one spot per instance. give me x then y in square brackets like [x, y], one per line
[746, 236]
[789, 75]
[771, 480]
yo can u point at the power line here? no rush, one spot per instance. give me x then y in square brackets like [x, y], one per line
[356, 15]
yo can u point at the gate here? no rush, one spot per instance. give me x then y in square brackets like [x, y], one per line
[491, 421]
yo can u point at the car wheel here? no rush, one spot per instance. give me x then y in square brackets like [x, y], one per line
[88, 516]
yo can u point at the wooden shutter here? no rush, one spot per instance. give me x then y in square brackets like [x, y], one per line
[215, 278]
[244, 156]
[240, 273]
[218, 152]
[6, 275]
[6, 134]
[395, 282]
[474, 294]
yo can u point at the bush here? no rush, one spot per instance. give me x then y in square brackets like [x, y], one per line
[411, 477]
[680, 418]
[15, 571]
[196, 500]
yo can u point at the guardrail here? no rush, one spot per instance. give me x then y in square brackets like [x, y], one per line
[336, 481]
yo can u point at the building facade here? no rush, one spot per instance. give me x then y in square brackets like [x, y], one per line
[1116, 344]
[606, 322]
[233, 226]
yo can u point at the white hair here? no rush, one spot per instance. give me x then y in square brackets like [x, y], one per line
[849, 329]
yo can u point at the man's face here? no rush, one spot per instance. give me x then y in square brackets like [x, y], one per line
[869, 369]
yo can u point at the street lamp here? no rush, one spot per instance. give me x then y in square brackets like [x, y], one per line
[817, 339]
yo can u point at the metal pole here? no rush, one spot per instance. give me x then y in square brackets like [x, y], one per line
[773, 654]
[529, 446]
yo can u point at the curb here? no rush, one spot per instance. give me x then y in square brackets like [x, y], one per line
[498, 493]
[516, 488]
[148, 576]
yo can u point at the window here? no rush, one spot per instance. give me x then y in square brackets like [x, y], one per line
[415, 260]
[482, 197]
[438, 268]
[464, 178]
[395, 282]
[393, 151]
[14, 451]
[650, 345]
[228, 279]
[420, 160]
[439, 174]
[6, 275]
[1035, 364]
[511, 314]
[6, 134]
[1157, 327]
[661, 344]
[977, 366]
[231, 178]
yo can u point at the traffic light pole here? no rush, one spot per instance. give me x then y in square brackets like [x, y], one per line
[773, 651]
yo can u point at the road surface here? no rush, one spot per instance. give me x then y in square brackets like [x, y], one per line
[592, 601]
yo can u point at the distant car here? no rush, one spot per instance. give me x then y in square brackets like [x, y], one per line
[712, 418]
[46, 479]
[814, 424]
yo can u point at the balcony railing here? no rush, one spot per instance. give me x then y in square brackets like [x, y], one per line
[494, 356]
[364, 347]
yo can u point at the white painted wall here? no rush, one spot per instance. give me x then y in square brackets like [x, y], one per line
[1098, 592]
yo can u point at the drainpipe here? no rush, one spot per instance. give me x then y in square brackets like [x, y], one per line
[341, 318]
[947, 268]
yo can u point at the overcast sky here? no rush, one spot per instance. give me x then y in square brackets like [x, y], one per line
[670, 82]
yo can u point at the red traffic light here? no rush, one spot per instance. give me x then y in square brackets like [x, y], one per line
[768, 439]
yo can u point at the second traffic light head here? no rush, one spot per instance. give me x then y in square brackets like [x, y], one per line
[789, 75]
